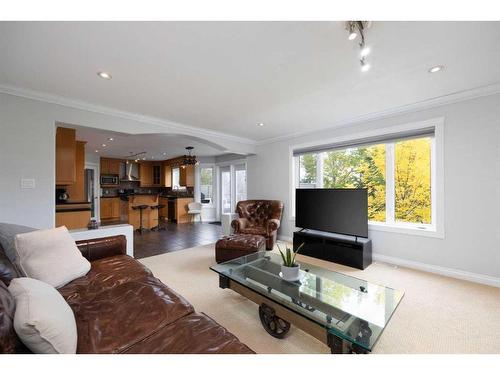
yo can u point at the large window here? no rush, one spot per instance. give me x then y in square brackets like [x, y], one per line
[207, 185]
[397, 175]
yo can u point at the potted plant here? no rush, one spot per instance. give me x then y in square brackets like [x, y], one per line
[289, 269]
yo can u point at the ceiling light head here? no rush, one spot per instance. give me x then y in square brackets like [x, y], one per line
[365, 51]
[96, 150]
[261, 124]
[353, 35]
[164, 153]
[103, 145]
[436, 68]
[104, 75]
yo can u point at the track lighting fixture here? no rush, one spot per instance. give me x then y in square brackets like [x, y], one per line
[359, 27]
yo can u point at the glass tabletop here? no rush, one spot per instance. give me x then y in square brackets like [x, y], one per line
[353, 309]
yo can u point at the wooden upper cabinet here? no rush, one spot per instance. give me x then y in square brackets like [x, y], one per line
[76, 191]
[186, 175]
[114, 166]
[110, 166]
[167, 175]
[65, 156]
[146, 173]
[157, 171]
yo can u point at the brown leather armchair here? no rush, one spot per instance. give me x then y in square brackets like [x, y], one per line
[261, 217]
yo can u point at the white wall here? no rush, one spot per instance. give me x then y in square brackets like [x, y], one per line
[27, 150]
[472, 187]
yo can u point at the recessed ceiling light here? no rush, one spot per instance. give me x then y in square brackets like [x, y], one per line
[365, 51]
[104, 75]
[143, 158]
[260, 124]
[96, 150]
[436, 68]
[164, 153]
[111, 139]
[103, 145]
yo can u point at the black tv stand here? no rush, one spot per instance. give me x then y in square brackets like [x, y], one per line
[347, 250]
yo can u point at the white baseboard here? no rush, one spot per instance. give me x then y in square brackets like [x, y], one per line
[285, 238]
[450, 272]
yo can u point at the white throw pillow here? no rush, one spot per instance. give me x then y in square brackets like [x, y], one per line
[51, 256]
[43, 320]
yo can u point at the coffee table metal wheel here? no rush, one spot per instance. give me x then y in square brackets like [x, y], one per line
[273, 324]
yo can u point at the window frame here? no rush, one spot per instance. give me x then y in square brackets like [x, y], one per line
[436, 228]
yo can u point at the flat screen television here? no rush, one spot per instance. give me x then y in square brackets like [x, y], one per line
[343, 211]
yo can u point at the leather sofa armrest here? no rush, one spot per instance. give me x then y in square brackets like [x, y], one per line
[239, 224]
[272, 225]
[99, 248]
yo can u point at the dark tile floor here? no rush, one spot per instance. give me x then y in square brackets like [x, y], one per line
[175, 237]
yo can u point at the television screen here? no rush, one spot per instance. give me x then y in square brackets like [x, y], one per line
[343, 211]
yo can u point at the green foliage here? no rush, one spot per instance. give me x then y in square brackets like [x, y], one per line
[413, 181]
[289, 255]
[359, 168]
[365, 167]
[206, 176]
[308, 168]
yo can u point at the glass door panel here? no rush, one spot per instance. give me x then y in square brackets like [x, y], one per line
[225, 177]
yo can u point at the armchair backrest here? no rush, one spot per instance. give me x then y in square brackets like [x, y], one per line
[258, 211]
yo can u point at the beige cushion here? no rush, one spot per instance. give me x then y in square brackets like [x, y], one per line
[51, 256]
[43, 320]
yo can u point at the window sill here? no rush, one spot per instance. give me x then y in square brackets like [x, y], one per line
[413, 230]
[410, 230]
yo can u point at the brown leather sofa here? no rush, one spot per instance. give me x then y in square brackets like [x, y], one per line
[259, 217]
[120, 307]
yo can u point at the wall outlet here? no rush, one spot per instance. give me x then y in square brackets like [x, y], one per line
[27, 183]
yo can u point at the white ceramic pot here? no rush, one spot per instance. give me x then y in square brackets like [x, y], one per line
[290, 273]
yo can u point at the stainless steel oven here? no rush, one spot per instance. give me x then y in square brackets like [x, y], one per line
[109, 180]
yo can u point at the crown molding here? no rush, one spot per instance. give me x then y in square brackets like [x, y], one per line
[439, 101]
[84, 106]
[455, 97]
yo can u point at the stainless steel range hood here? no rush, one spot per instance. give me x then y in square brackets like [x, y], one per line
[130, 172]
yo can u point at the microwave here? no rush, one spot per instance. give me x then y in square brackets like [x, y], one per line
[110, 180]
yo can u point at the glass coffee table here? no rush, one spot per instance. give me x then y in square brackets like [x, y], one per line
[346, 313]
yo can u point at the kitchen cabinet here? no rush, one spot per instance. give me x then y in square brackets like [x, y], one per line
[164, 210]
[110, 208]
[65, 156]
[146, 173]
[167, 175]
[73, 219]
[76, 191]
[150, 174]
[157, 174]
[186, 175]
[110, 166]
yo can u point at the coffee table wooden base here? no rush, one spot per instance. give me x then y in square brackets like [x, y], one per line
[277, 319]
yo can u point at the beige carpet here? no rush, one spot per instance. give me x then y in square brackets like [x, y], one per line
[437, 315]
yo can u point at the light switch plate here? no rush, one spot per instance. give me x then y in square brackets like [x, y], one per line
[27, 183]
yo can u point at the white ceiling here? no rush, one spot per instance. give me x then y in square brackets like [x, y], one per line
[155, 145]
[229, 76]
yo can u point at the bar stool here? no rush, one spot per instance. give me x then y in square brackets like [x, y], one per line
[141, 208]
[159, 226]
